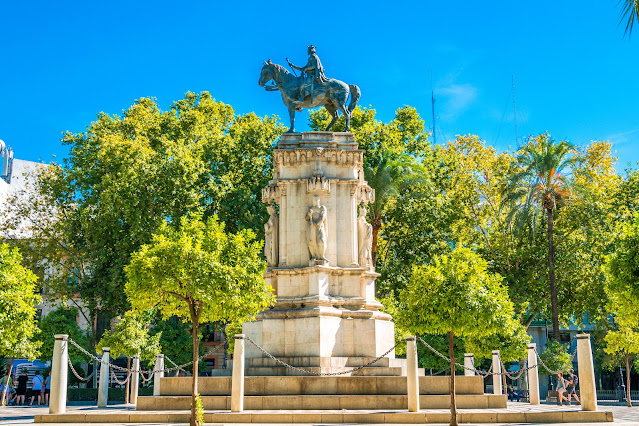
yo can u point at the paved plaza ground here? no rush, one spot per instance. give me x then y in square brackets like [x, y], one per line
[24, 415]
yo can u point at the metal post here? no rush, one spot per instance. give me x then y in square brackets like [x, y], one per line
[103, 387]
[588, 390]
[159, 367]
[412, 381]
[135, 380]
[58, 396]
[497, 389]
[533, 374]
[237, 387]
[469, 362]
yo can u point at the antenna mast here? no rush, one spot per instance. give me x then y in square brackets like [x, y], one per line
[432, 98]
[515, 111]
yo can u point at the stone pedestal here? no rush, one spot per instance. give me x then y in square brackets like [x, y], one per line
[319, 264]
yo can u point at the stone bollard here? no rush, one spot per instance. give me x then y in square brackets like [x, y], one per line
[412, 381]
[237, 387]
[103, 387]
[533, 374]
[58, 395]
[135, 380]
[159, 366]
[497, 389]
[587, 386]
[469, 362]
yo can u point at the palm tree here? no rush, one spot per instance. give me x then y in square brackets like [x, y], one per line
[629, 14]
[542, 184]
[385, 173]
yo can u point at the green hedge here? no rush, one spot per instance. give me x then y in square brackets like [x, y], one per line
[91, 394]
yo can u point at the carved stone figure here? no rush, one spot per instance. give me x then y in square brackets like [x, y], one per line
[365, 238]
[271, 233]
[316, 218]
[311, 89]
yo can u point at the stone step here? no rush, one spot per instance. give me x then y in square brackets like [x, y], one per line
[366, 371]
[311, 385]
[335, 362]
[324, 417]
[322, 402]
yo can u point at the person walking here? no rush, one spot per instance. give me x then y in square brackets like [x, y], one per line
[47, 387]
[561, 388]
[36, 388]
[21, 390]
[572, 385]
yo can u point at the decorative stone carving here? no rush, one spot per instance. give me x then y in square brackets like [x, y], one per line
[318, 184]
[271, 233]
[270, 193]
[317, 234]
[365, 194]
[365, 238]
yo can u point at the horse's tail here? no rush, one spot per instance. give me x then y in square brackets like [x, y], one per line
[355, 95]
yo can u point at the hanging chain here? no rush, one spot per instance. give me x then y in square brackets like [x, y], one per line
[115, 378]
[338, 373]
[75, 373]
[563, 368]
[436, 352]
[165, 370]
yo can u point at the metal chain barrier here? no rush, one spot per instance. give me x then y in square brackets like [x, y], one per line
[115, 378]
[151, 372]
[563, 368]
[75, 373]
[436, 352]
[338, 373]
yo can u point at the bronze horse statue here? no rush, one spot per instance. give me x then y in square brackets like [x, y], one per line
[333, 95]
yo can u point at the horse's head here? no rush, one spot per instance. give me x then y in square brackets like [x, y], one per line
[268, 72]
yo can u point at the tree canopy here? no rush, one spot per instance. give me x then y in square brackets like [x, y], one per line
[18, 299]
[200, 273]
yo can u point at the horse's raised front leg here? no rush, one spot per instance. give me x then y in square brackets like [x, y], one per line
[332, 111]
[291, 113]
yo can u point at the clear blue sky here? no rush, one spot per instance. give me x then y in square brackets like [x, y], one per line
[576, 75]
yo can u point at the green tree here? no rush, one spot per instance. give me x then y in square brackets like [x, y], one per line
[542, 184]
[386, 175]
[18, 300]
[62, 320]
[128, 174]
[175, 339]
[629, 14]
[456, 295]
[623, 292]
[131, 337]
[201, 274]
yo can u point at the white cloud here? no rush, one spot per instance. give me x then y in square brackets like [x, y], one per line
[457, 98]
[622, 138]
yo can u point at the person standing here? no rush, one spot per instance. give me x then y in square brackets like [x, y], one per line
[36, 388]
[571, 386]
[47, 387]
[21, 390]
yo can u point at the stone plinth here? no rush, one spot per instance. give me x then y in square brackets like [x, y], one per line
[326, 303]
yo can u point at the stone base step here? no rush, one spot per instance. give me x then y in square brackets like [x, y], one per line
[366, 371]
[322, 402]
[324, 417]
[311, 385]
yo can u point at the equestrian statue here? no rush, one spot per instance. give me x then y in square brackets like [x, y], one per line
[310, 89]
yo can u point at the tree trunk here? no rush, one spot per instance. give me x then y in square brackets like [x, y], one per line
[503, 377]
[128, 382]
[628, 380]
[196, 344]
[554, 299]
[453, 405]
[6, 383]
